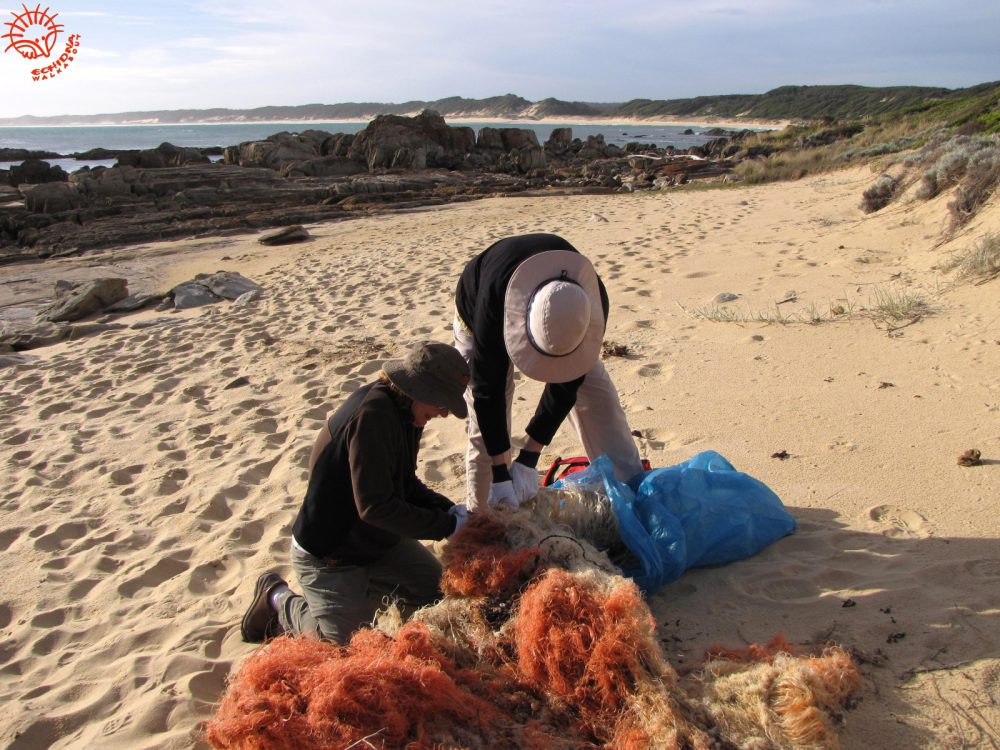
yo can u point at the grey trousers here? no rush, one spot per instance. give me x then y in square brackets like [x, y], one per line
[338, 599]
[597, 418]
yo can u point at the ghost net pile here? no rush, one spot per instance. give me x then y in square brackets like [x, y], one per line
[538, 643]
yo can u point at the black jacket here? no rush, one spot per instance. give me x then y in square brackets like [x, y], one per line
[364, 494]
[479, 300]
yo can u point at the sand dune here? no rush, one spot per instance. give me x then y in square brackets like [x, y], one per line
[150, 474]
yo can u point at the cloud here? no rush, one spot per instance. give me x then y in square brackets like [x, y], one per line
[256, 52]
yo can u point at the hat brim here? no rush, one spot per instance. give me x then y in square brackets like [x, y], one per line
[526, 279]
[396, 371]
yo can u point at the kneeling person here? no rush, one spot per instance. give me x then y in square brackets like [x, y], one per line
[356, 532]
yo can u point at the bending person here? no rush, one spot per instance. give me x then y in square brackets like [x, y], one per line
[355, 537]
[535, 303]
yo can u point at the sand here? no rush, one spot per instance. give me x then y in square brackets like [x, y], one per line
[141, 497]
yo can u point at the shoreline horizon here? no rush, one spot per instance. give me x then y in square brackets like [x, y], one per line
[750, 123]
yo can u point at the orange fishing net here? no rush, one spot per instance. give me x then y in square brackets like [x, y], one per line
[401, 692]
[479, 561]
[523, 654]
[580, 645]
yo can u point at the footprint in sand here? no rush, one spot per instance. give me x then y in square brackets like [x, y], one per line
[902, 523]
[159, 573]
[988, 568]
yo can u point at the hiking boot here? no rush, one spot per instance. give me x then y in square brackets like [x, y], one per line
[260, 620]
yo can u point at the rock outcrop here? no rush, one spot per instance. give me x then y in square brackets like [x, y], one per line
[299, 178]
[76, 300]
[35, 171]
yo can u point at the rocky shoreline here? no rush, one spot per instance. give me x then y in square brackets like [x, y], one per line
[396, 162]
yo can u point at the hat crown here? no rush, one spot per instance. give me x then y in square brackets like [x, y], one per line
[554, 316]
[437, 366]
[432, 373]
[558, 317]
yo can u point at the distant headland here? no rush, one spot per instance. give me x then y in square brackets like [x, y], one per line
[781, 104]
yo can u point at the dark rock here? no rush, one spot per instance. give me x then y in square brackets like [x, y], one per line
[14, 338]
[323, 166]
[247, 297]
[489, 140]
[228, 284]
[391, 141]
[20, 154]
[530, 157]
[337, 144]
[34, 172]
[78, 300]
[560, 140]
[32, 336]
[164, 155]
[95, 154]
[278, 149]
[512, 150]
[240, 382]
[51, 197]
[193, 294]
[518, 138]
[286, 236]
[134, 302]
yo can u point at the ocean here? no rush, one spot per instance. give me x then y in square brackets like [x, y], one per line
[76, 139]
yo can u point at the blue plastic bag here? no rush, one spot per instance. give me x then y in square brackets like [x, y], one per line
[699, 512]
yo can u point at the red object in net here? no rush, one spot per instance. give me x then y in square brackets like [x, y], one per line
[479, 561]
[563, 467]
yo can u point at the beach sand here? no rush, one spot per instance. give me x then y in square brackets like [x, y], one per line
[141, 496]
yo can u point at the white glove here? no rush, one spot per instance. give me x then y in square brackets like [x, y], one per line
[461, 514]
[525, 481]
[502, 493]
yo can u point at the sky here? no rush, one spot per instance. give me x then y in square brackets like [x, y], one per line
[240, 54]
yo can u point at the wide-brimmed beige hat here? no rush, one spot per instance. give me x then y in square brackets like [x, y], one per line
[553, 321]
[433, 373]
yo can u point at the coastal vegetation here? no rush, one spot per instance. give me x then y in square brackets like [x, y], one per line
[947, 141]
[974, 106]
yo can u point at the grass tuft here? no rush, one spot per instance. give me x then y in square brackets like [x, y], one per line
[979, 263]
[888, 305]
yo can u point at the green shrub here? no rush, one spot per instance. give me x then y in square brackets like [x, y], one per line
[982, 173]
[879, 194]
